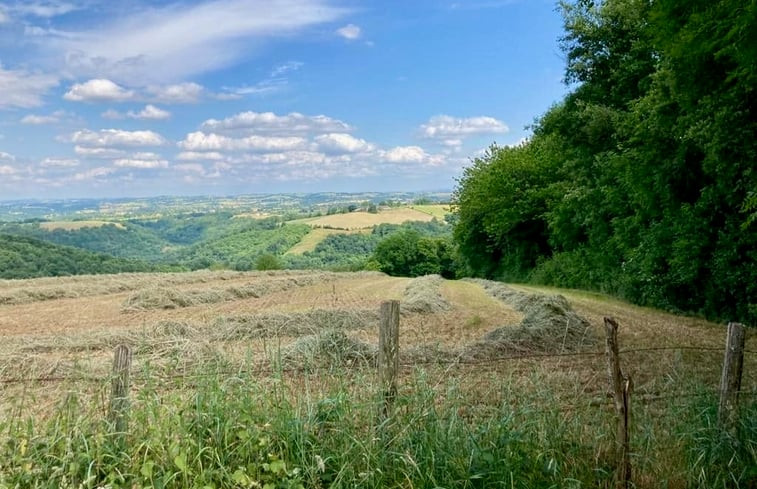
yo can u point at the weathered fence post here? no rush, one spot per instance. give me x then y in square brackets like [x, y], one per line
[389, 353]
[730, 380]
[621, 390]
[119, 395]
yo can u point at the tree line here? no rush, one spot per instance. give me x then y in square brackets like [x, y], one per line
[642, 181]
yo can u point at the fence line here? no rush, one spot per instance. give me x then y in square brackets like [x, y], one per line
[271, 368]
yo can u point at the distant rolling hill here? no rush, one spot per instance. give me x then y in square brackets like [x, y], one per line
[22, 257]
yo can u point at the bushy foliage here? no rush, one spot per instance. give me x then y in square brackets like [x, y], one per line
[352, 252]
[641, 181]
[239, 250]
[28, 258]
[407, 253]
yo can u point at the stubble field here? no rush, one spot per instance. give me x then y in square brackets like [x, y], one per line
[474, 347]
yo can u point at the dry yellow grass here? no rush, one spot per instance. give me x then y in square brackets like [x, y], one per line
[436, 210]
[76, 225]
[74, 333]
[315, 236]
[362, 220]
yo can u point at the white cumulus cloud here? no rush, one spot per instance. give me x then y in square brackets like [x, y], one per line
[140, 163]
[99, 153]
[411, 154]
[200, 141]
[117, 138]
[197, 155]
[293, 123]
[451, 129]
[350, 31]
[343, 143]
[98, 90]
[180, 93]
[150, 112]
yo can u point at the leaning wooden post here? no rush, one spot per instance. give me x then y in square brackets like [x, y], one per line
[119, 395]
[621, 391]
[389, 353]
[730, 380]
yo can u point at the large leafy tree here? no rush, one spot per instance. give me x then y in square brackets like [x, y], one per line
[642, 180]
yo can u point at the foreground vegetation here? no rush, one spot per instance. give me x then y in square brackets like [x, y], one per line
[234, 430]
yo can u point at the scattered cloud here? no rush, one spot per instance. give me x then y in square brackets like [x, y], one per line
[480, 4]
[23, 89]
[113, 114]
[343, 143]
[6, 156]
[200, 141]
[39, 120]
[4, 19]
[140, 163]
[268, 122]
[105, 138]
[93, 173]
[406, 154]
[190, 167]
[43, 9]
[59, 162]
[150, 112]
[350, 32]
[450, 129]
[180, 93]
[277, 80]
[196, 155]
[285, 68]
[36, 119]
[159, 44]
[98, 90]
[7, 170]
[99, 153]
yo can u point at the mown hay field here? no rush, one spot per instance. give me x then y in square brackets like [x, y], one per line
[363, 220]
[436, 210]
[76, 225]
[468, 349]
[315, 236]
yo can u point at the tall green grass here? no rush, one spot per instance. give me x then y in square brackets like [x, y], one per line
[324, 429]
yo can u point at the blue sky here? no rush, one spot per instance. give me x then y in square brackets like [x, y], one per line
[102, 98]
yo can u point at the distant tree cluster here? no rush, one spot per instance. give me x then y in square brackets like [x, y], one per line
[22, 257]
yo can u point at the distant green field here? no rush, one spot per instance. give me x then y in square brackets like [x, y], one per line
[315, 236]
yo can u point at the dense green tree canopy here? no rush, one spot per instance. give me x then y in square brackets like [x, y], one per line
[642, 181]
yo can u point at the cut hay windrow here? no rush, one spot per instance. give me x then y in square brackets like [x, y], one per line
[250, 326]
[549, 325]
[423, 296]
[329, 348]
[13, 292]
[172, 298]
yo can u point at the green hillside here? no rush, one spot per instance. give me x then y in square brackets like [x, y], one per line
[22, 257]
[239, 250]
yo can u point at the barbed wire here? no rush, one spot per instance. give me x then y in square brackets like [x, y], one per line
[263, 368]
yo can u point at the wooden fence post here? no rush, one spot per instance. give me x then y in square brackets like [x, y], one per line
[730, 380]
[621, 390]
[389, 353]
[119, 394]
